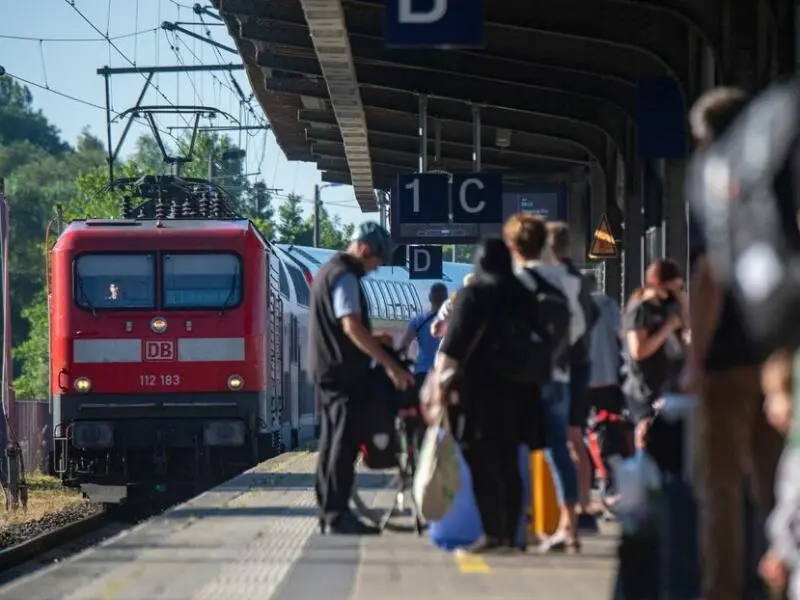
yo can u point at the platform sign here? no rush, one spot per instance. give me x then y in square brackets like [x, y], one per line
[661, 123]
[477, 198]
[441, 208]
[435, 23]
[425, 262]
[548, 202]
[399, 256]
[423, 198]
[604, 246]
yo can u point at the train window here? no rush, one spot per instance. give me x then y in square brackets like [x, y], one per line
[202, 281]
[391, 302]
[408, 303]
[399, 301]
[372, 301]
[115, 281]
[301, 288]
[383, 301]
[284, 282]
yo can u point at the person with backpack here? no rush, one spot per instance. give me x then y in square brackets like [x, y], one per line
[579, 372]
[492, 406]
[556, 297]
[419, 329]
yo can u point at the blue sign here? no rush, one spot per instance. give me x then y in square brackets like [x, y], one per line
[435, 23]
[661, 130]
[425, 262]
[423, 198]
[399, 255]
[548, 201]
[477, 198]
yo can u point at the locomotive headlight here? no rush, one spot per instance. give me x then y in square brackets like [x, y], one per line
[235, 383]
[82, 385]
[158, 325]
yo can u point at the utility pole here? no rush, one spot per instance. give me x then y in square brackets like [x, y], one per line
[317, 204]
[14, 482]
[382, 207]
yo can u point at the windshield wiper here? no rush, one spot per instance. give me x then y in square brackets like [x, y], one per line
[84, 296]
[231, 290]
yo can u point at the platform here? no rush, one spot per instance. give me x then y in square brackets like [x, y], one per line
[256, 537]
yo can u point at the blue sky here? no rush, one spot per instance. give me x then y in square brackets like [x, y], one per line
[70, 67]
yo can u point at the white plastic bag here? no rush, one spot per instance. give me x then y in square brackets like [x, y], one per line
[639, 484]
[437, 478]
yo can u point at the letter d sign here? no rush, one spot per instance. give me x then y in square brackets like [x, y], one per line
[407, 14]
[425, 263]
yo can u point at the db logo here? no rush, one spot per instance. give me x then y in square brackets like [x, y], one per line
[159, 350]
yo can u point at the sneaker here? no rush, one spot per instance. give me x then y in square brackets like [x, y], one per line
[349, 524]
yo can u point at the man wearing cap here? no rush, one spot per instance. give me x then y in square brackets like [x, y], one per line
[341, 349]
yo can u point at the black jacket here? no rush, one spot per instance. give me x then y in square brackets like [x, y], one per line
[332, 357]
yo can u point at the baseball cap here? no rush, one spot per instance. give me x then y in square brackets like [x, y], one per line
[376, 238]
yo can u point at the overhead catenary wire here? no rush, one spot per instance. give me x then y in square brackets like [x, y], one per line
[82, 40]
[120, 52]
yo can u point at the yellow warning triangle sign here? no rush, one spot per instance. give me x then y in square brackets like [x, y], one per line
[603, 243]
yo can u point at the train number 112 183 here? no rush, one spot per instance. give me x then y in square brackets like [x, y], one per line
[159, 380]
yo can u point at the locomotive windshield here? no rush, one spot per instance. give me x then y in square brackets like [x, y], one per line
[202, 281]
[115, 281]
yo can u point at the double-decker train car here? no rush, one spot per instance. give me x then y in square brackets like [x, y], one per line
[160, 346]
[393, 298]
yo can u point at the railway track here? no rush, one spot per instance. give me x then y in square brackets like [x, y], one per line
[51, 540]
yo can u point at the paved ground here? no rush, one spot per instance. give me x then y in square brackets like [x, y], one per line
[256, 537]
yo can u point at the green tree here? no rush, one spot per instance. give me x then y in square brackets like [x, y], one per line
[333, 233]
[257, 206]
[464, 253]
[19, 122]
[291, 227]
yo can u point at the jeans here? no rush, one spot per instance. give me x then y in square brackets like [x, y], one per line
[556, 401]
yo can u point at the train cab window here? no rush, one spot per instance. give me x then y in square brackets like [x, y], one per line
[202, 281]
[301, 288]
[115, 281]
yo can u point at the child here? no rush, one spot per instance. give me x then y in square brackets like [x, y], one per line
[779, 567]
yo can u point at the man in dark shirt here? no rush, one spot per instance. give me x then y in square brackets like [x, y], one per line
[732, 435]
[341, 349]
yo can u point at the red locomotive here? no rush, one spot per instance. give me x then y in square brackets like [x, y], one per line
[160, 345]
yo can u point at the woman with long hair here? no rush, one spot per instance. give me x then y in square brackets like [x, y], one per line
[493, 416]
[654, 327]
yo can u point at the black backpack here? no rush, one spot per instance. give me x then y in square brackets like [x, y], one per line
[744, 192]
[554, 317]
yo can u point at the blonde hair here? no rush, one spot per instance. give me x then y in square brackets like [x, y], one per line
[526, 234]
